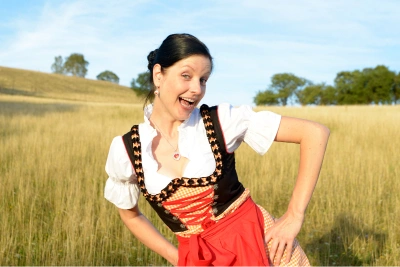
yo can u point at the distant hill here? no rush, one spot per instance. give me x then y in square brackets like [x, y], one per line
[57, 86]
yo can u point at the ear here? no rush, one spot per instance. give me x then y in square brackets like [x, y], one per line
[157, 74]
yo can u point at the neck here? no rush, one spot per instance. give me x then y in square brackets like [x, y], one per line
[168, 129]
[165, 123]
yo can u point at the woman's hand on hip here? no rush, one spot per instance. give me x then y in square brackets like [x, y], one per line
[282, 235]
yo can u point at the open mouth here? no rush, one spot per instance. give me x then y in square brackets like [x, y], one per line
[187, 102]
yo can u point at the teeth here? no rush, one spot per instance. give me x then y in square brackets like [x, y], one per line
[188, 99]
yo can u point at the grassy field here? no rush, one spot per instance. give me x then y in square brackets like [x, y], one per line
[52, 177]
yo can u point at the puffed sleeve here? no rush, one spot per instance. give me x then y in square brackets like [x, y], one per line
[257, 129]
[121, 187]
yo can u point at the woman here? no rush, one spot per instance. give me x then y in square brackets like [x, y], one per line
[181, 158]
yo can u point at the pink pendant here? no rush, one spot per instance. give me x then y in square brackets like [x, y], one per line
[177, 156]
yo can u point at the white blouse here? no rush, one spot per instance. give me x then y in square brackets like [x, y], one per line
[239, 124]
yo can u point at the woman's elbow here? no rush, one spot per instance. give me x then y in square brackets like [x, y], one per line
[129, 214]
[321, 131]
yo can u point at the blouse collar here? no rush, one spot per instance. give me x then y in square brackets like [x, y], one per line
[186, 135]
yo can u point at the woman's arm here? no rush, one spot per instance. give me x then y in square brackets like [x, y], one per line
[144, 230]
[313, 138]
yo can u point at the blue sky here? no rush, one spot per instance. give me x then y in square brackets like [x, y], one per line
[250, 40]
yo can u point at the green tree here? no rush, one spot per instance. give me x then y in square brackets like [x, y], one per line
[396, 88]
[328, 95]
[58, 65]
[76, 65]
[371, 85]
[141, 85]
[378, 83]
[268, 97]
[285, 85]
[108, 76]
[310, 94]
[348, 92]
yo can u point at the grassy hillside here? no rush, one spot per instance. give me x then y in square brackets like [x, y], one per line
[56, 86]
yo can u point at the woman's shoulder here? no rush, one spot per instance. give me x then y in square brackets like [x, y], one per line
[226, 107]
[117, 143]
[117, 152]
[118, 164]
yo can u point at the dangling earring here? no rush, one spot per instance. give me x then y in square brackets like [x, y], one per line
[156, 92]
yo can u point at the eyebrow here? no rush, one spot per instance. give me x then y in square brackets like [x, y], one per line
[186, 65]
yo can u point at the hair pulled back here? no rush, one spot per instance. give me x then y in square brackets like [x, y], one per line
[174, 48]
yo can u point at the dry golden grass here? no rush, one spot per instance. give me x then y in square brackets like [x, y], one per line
[56, 86]
[52, 178]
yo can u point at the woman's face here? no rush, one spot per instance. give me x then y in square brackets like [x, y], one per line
[181, 86]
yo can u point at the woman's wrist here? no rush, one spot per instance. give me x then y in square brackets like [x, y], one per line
[172, 255]
[296, 212]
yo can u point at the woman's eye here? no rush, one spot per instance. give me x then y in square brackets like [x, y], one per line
[186, 76]
[203, 81]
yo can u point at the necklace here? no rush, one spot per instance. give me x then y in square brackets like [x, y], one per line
[176, 155]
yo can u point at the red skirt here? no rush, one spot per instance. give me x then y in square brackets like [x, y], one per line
[236, 240]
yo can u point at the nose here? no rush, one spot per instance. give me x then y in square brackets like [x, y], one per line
[196, 87]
